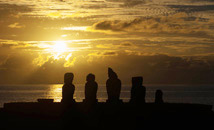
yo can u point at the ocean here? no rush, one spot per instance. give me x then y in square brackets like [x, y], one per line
[201, 94]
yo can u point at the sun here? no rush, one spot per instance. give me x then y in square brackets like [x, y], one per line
[59, 47]
[58, 50]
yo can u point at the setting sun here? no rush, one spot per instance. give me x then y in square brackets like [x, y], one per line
[59, 46]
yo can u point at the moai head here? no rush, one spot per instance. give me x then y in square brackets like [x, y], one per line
[137, 81]
[68, 78]
[111, 73]
[90, 77]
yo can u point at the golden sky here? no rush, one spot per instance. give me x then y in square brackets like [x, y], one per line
[166, 41]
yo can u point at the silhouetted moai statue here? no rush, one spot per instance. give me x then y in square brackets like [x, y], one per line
[69, 111]
[113, 86]
[91, 89]
[159, 96]
[68, 89]
[138, 91]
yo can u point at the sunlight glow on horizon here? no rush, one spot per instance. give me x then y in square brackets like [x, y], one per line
[59, 46]
[57, 50]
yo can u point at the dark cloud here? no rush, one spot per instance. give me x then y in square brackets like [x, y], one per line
[16, 67]
[126, 44]
[177, 24]
[116, 25]
[192, 8]
[110, 53]
[94, 6]
[130, 3]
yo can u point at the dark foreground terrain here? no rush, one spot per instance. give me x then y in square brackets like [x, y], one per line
[105, 116]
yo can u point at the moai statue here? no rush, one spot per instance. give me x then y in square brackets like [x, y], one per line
[91, 89]
[138, 91]
[113, 86]
[68, 89]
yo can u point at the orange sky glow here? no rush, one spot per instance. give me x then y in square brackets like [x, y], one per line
[41, 40]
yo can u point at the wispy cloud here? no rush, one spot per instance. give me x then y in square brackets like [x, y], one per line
[16, 25]
[179, 23]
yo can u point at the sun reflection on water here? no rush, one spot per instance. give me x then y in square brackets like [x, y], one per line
[55, 92]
